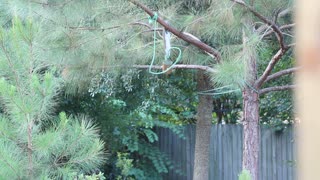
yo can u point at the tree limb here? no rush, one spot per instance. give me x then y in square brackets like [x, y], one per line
[276, 88]
[281, 73]
[273, 26]
[270, 66]
[180, 34]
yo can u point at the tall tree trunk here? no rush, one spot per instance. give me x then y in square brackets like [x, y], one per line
[203, 130]
[251, 132]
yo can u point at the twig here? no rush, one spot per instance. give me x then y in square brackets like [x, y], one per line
[281, 73]
[287, 26]
[276, 88]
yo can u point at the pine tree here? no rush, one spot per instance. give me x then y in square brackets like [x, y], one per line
[86, 36]
[34, 143]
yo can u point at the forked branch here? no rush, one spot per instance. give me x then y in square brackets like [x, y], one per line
[270, 66]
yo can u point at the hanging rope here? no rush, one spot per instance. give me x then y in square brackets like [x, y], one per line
[167, 56]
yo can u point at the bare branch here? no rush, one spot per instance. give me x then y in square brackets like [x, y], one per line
[273, 26]
[291, 45]
[270, 66]
[285, 12]
[276, 88]
[287, 26]
[180, 34]
[281, 73]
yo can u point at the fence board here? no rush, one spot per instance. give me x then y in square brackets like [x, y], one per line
[275, 158]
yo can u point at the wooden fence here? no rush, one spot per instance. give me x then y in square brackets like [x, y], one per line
[277, 153]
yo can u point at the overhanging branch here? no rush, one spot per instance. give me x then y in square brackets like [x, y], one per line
[277, 88]
[196, 42]
[281, 73]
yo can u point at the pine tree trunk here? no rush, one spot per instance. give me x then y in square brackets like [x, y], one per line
[203, 130]
[251, 132]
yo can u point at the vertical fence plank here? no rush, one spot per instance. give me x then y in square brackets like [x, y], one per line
[276, 155]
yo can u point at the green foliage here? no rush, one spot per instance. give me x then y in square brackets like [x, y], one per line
[99, 176]
[130, 111]
[34, 144]
[93, 49]
[245, 175]
[276, 109]
[127, 169]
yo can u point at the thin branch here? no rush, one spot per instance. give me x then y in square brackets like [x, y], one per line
[276, 88]
[285, 12]
[270, 66]
[180, 34]
[281, 73]
[291, 45]
[273, 26]
[287, 26]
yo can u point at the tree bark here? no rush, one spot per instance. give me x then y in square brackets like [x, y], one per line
[251, 132]
[203, 130]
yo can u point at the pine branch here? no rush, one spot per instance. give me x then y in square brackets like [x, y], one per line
[9, 165]
[276, 88]
[180, 34]
[281, 73]
[274, 27]
[270, 66]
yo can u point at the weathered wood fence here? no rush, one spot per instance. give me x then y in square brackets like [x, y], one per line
[277, 154]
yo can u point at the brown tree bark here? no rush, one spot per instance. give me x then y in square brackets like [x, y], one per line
[203, 130]
[251, 129]
[251, 132]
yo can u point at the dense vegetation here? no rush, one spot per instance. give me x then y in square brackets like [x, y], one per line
[65, 61]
